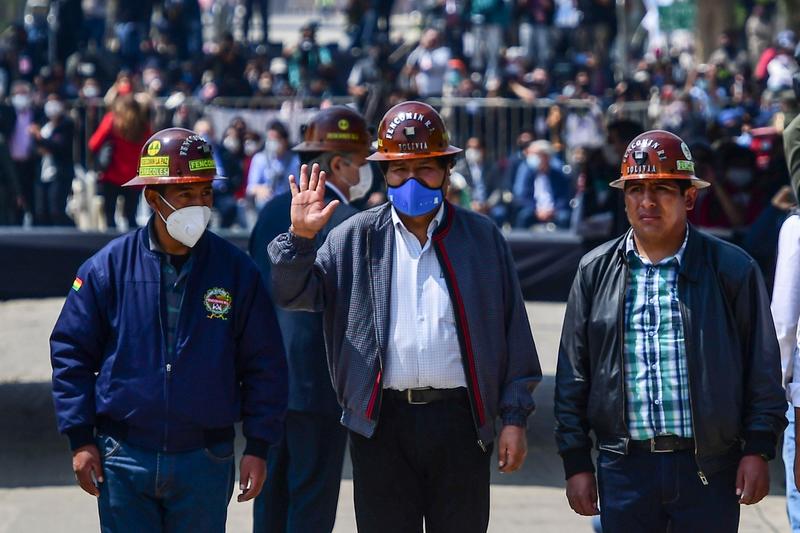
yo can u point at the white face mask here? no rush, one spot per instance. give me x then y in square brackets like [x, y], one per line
[360, 189]
[473, 156]
[53, 109]
[186, 225]
[20, 101]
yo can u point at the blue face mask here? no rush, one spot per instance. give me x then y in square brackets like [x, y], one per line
[412, 198]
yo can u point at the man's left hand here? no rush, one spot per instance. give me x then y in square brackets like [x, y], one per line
[512, 447]
[252, 474]
[752, 479]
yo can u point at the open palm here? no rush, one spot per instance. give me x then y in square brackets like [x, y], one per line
[309, 213]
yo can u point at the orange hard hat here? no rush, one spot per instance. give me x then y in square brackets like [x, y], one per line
[657, 155]
[412, 130]
[175, 155]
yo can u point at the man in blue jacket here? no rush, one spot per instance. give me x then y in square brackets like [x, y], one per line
[302, 492]
[166, 340]
[426, 333]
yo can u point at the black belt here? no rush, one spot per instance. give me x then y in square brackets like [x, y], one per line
[425, 395]
[663, 443]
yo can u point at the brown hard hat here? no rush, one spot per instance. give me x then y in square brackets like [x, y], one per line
[335, 129]
[412, 130]
[658, 155]
[175, 155]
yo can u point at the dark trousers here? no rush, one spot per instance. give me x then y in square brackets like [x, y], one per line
[131, 202]
[423, 462]
[304, 474]
[51, 202]
[659, 492]
[28, 175]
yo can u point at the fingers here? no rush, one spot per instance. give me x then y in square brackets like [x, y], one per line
[752, 481]
[512, 458]
[327, 212]
[84, 476]
[320, 185]
[293, 185]
[251, 478]
[314, 180]
[303, 178]
[582, 494]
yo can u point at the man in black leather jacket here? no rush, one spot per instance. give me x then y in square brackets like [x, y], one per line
[668, 346]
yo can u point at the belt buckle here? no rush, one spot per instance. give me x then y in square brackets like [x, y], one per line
[653, 447]
[410, 397]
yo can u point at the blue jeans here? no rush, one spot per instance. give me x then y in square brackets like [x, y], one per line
[792, 496]
[645, 492]
[144, 490]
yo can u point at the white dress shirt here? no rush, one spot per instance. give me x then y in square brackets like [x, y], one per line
[423, 346]
[786, 305]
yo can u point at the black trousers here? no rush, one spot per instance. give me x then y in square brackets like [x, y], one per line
[423, 462]
[304, 471]
[130, 195]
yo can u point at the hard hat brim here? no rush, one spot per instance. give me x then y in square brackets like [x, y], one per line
[696, 182]
[155, 180]
[386, 156]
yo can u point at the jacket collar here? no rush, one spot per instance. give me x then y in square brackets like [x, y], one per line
[691, 261]
[199, 251]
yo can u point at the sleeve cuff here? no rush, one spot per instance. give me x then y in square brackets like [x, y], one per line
[515, 418]
[300, 244]
[760, 443]
[80, 436]
[577, 461]
[257, 447]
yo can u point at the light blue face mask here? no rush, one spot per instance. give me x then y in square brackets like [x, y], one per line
[534, 161]
[412, 198]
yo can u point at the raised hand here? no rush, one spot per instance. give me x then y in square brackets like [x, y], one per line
[309, 213]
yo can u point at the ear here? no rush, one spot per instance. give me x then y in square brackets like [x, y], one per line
[151, 197]
[336, 164]
[690, 197]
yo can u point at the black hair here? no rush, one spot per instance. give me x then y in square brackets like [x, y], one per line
[279, 127]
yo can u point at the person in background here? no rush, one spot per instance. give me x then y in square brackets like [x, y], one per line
[22, 146]
[480, 175]
[54, 142]
[270, 167]
[541, 192]
[116, 144]
[305, 468]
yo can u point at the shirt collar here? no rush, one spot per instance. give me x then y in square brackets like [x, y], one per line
[435, 223]
[630, 248]
[337, 192]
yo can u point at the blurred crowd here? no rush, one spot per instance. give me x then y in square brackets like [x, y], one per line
[136, 67]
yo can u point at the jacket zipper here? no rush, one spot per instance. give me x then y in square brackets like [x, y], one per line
[476, 403]
[168, 366]
[687, 336]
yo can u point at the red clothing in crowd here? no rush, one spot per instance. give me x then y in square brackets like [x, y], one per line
[124, 154]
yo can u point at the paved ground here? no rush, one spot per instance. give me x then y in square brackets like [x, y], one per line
[37, 492]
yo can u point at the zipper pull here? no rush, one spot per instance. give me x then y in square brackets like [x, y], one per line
[702, 477]
[482, 445]
[169, 368]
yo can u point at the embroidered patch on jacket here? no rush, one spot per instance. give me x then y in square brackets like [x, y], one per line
[77, 284]
[218, 303]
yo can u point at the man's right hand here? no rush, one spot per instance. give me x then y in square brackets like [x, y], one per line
[85, 463]
[582, 494]
[309, 213]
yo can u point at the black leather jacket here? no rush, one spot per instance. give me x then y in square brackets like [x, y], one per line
[737, 402]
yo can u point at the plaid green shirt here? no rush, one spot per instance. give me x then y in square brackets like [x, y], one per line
[656, 377]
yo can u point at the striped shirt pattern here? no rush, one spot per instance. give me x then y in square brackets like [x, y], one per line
[656, 377]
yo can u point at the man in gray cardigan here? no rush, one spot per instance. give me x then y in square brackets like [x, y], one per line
[425, 331]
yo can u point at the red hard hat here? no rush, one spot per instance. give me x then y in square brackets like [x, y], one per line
[412, 130]
[175, 155]
[335, 129]
[658, 155]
